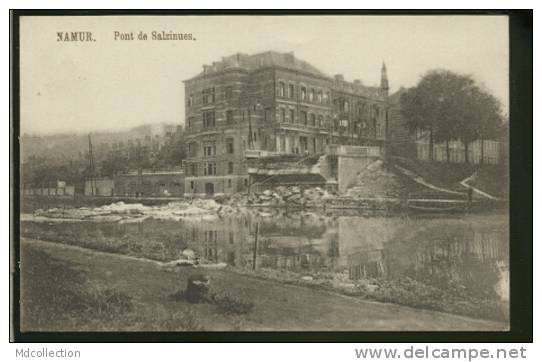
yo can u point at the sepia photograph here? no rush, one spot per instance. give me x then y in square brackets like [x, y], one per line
[248, 173]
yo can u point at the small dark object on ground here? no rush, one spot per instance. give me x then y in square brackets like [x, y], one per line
[197, 288]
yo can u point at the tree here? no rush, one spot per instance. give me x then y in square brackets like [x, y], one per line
[490, 117]
[423, 107]
[450, 106]
[113, 164]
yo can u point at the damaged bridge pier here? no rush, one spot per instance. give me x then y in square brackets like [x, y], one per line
[332, 171]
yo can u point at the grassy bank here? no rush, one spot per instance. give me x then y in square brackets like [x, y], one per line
[402, 291]
[73, 289]
[57, 295]
[441, 174]
[492, 179]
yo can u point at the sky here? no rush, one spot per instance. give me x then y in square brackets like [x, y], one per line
[110, 84]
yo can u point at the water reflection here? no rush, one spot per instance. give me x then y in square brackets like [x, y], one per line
[470, 253]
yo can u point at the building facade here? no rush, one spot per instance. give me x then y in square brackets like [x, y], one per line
[271, 104]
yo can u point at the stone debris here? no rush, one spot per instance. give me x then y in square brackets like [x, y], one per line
[258, 204]
[376, 180]
[280, 196]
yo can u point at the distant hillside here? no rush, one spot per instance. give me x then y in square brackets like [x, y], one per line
[73, 146]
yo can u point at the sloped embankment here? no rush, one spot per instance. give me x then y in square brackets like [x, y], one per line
[381, 179]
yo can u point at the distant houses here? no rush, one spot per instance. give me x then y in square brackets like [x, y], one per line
[60, 189]
[138, 184]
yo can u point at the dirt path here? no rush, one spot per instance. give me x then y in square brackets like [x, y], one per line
[478, 191]
[278, 307]
[463, 183]
[414, 177]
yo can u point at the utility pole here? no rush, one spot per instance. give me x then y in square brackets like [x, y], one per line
[92, 178]
[255, 255]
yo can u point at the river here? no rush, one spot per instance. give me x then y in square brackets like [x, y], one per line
[466, 252]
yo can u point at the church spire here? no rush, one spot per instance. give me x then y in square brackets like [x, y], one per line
[384, 85]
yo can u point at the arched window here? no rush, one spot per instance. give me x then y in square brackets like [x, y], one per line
[282, 89]
[319, 96]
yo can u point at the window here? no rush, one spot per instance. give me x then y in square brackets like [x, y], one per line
[267, 115]
[327, 97]
[228, 93]
[361, 109]
[210, 169]
[291, 91]
[192, 149]
[282, 89]
[229, 117]
[193, 170]
[303, 93]
[192, 185]
[312, 95]
[303, 117]
[245, 182]
[292, 116]
[282, 115]
[319, 96]
[229, 185]
[208, 119]
[229, 145]
[343, 105]
[379, 132]
[190, 123]
[209, 148]
[230, 168]
[313, 120]
[190, 100]
[320, 121]
[208, 95]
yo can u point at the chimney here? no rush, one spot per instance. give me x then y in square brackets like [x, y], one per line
[339, 78]
[290, 57]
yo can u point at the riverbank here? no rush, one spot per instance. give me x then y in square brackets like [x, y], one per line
[69, 288]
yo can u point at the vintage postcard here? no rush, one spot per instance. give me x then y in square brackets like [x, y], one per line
[264, 173]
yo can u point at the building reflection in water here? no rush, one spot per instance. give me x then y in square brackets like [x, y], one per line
[443, 252]
[469, 252]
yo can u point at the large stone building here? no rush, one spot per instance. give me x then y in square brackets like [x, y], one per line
[271, 103]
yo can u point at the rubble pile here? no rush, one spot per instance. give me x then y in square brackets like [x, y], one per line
[377, 179]
[292, 196]
[121, 212]
[202, 209]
